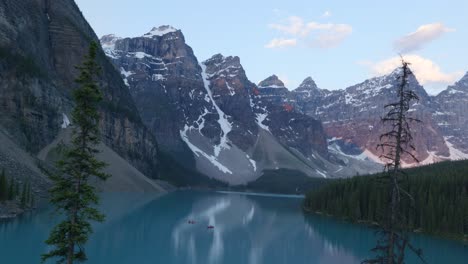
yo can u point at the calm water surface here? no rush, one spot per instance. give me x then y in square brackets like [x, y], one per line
[251, 229]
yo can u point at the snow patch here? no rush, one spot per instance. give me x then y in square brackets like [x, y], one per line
[254, 164]
[126, 74]
[109, 47]
[198, 152]
[66, 121]
[160, 31]
[157, 77]
[224, 123]
[335, 148]
[141, 55]
[201, 120]
[260, 118]
[231, 90]
[321, 173]
[275, 86]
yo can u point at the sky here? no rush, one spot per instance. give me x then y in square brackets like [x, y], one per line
[337, 43]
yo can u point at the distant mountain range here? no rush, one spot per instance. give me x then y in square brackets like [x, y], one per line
[209, 115]
[201, 118]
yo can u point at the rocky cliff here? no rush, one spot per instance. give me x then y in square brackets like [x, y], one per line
[210, 116]
[41, 42]
[352, 116]
[451, 115]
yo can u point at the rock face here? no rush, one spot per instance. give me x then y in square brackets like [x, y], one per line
[210, 116]
[280, 117]
[231, 92]
[41, 42]
[353, 115]
[272, 90]
[451, 116]
[155, 68]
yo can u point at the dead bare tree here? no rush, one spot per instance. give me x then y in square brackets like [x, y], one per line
[396, 143]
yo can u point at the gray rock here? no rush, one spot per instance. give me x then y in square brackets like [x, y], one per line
[42, 41]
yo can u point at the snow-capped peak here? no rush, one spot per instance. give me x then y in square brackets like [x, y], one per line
[109, 38]
[463, 82]
[160, 31]
[308, 84]
[271, 82]
[220, 59]
[108, 41]
[108, 45]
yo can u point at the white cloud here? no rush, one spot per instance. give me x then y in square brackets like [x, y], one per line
[316, 34]
[281, 43]
[295, 27]
[423, 35]
[334, 37]
[426, 71]
[326, 14]
[364, 63]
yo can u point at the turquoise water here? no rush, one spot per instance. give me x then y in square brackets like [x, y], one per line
[250, 229]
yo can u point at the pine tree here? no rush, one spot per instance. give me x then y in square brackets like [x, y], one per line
[33, 202]
[3, 186]
[27, 190]
[72, 193]
[393, 242]
[23, 200]
[17, 189]
[440, 203]
[28, 195]
[11, 189]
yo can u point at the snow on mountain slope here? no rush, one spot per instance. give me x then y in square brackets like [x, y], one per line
[160, 31]
[211, 113]
[354, 114]
[223, 122]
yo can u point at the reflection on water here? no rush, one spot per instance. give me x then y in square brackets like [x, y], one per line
[266, 229]
[246, 229]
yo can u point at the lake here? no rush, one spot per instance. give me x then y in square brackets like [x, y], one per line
[142, 228]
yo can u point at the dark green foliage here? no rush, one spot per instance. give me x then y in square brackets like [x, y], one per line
[25, 195]
[11, 189]
[3, 186]
[440, 192]
[32, 202]
[71, 194]
[17, 189]
[273, 181]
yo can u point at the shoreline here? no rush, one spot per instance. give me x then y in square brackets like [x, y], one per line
[12, 209]
[458, 238]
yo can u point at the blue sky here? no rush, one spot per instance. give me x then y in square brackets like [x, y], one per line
[337, 43]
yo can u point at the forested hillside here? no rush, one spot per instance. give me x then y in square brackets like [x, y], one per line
[440, 193]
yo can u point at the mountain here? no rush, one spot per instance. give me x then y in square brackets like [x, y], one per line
[451, 116]
[211, 118]
[41, 42]
[353, 115]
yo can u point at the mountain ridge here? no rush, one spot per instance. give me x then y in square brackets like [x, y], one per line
[224, 119]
